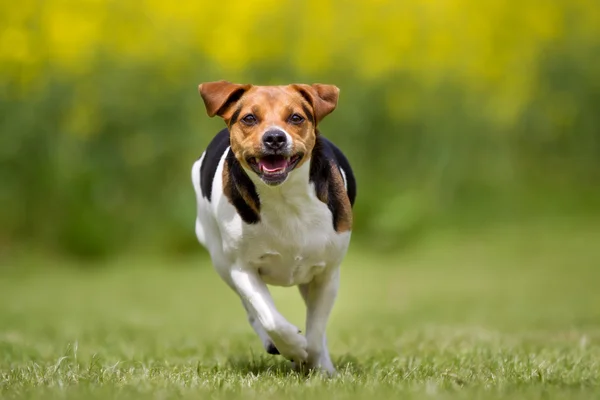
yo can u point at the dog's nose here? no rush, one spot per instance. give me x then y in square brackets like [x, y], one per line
[274, 140]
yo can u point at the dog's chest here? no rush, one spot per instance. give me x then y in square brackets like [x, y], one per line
[294, 241]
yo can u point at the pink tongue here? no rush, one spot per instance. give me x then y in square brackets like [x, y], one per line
[272, 164]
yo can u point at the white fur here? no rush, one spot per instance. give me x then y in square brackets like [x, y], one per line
[294, 244]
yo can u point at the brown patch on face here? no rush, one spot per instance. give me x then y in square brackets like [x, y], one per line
[344, 217]
[271, 107]
[250, 111]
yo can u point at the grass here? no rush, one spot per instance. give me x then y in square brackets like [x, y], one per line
[511, 313]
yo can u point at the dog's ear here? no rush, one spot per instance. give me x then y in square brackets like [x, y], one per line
[323, 98]
[220, 96]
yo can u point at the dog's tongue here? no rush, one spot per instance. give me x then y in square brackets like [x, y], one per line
[272, 164]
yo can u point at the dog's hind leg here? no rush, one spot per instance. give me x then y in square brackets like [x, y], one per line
[319, 296]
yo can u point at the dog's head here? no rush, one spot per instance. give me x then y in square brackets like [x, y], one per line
[272, 128]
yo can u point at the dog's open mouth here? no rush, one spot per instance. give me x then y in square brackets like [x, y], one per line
[274, 168]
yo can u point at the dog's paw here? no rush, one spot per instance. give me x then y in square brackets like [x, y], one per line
[322, 364]
[290, 343]
[325, 368]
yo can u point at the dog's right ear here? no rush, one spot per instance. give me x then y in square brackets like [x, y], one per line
[220, 96]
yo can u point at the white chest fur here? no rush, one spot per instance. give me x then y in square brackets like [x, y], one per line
[294, 240]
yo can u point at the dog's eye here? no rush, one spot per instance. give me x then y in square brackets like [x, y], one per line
[249, 119]
[296, 119]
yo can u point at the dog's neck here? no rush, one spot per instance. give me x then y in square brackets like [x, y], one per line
[249, 194]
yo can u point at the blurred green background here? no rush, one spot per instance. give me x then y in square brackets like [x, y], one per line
[455, 113]
[474, 131]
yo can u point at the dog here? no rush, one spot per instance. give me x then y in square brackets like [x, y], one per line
[275, 207]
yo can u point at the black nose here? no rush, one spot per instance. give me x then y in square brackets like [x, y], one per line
[274, 140]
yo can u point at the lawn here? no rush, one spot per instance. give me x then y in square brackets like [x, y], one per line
[505, 313]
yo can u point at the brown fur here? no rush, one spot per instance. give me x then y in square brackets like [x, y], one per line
[335, 186]
[228, 189]
[344, 221]
[272, 105]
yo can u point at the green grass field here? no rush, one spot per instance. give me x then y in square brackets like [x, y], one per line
[508, 313]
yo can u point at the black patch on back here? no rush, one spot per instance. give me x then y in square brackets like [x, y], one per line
[343, 163]
[323, 154]
[240, 181]
[212, 156]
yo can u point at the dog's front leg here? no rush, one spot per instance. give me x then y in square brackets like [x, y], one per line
[260, 331]
[319, 296]
[286, 337]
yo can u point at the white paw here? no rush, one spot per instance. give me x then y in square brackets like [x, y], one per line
[289, 342]
[321, 362]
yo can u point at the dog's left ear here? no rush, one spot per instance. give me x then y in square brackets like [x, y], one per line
[323, 98]
[220, 96]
